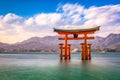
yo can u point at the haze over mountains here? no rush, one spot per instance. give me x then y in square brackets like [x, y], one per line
[51, 44]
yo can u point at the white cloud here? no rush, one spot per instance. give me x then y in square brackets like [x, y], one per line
[103, 15]
[106, 16]
[45, 19]
[71, 13]
[14, 28]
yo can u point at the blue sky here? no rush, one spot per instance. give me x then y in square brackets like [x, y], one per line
[23, 19]
[31, 7]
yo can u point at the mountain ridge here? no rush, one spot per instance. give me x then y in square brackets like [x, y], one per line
[51, 44]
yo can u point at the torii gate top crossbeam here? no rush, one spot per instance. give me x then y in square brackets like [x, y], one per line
[76, 31]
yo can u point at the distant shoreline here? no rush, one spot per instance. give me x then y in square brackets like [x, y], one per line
[49, 52]
[28, 52]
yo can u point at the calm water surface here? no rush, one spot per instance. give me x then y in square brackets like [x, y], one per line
[39, 66]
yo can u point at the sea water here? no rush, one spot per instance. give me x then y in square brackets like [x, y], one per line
[47, 66]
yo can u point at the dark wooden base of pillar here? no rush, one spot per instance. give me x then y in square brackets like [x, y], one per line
[86, 51]
[63, 55]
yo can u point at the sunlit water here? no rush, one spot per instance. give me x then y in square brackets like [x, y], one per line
[40, 66]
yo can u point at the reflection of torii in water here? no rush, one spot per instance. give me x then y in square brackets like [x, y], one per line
[86, 48]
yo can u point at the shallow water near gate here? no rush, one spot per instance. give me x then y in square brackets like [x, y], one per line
[47, 66]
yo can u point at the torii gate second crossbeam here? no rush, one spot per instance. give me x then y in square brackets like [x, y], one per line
[86, 48]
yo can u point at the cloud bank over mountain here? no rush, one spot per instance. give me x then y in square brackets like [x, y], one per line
[14, 28]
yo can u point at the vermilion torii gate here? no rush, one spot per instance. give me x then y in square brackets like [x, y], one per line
[86, 48]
